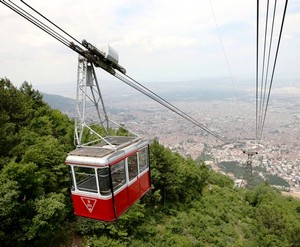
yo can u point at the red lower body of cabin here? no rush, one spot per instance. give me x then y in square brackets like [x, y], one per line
[109, 208]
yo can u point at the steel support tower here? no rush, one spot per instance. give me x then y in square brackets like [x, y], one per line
[89, 105]
[248, 172]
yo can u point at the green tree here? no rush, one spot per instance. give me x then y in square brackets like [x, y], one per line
[34, 180]
[49, 155]
[276, 221]
[176, 178]
[50, 213]
[12, 116]
[25, 186]
[33, 97]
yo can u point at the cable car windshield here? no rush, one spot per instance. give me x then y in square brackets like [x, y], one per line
[86, 180]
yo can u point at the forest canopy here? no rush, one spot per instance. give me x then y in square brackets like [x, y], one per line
[189, 204]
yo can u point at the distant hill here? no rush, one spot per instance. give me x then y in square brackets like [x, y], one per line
[64, 104]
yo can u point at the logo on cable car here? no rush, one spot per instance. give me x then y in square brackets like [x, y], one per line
[89, 203]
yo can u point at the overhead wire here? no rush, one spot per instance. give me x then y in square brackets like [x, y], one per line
[38, 23]
[126, 79]
[257, 52]
[269, 55]
[261, 110]
[20, 11]
[225, 56]
[274, 66]
[177, 110]
[133, 83]
[40, 14]
[263, 66]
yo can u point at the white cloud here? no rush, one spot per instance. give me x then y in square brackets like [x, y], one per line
[146, 41]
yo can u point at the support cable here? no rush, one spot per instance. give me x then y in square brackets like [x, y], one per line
[263, 67]
[40, 24]
[225, 56]
[20, 11]
[257, 49]
[40, 14]
[129, 81]
[274, 66]
[269, 55]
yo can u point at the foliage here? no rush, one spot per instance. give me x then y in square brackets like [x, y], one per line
[34, 140]
[275, 180]
[232, 167]
[175, 178]
[13, 116]
[204, 155]
[216, 215]
[104, 241]
[189, 205]
[275, 219]
[239, 172]
[219, 180]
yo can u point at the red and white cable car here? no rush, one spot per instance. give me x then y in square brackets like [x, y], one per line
[108, 173]
[107, 182]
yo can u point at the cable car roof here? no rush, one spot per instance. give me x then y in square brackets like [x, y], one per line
[103, 154]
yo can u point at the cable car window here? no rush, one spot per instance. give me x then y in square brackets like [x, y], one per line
[132, 166]
[143, 159]
[85, 179]
[118, 174]
[103, 178]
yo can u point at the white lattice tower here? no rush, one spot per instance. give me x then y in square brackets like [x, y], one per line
[90, 107]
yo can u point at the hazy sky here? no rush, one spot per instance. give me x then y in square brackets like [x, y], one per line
[157, 40]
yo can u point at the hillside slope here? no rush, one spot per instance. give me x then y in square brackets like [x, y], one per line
[189, 205]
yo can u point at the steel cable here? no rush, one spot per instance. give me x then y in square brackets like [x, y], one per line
[274, 66]
[38, 23]
[261, 110]
[129, 81]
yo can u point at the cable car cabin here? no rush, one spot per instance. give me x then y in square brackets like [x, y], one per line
[106, 182]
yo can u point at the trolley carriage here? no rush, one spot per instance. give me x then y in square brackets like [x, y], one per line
[105, 182]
